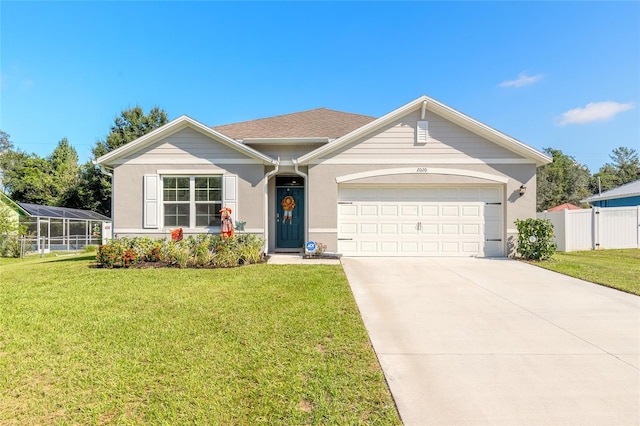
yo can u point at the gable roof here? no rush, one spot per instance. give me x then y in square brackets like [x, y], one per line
[630, 189]
[172, 127]
[12, 204]
[443, 111]
[314, 123]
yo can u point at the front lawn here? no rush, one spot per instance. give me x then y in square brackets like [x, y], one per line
[619, 269]
[261, 344]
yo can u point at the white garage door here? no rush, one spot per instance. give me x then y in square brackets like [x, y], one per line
[420, 221]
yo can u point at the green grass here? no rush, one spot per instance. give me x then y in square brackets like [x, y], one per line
[262, 344]
[619, 269]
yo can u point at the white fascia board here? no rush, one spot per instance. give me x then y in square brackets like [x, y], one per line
[609, 197]
[172, 127]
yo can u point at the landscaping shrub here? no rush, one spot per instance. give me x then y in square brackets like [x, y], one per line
[535, 239]
[9, 245]
[201, 251]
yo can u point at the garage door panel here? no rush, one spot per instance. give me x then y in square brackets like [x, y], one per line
[409, 247]
[450, 210]
[389, 229]
[493, 248]
[408, 210]
[348, 228]
[389, 247]
[369, 210]
[421, 221]
[449, 229]
[429, 210]
[472, 211]
[450, 247]
[429, 229]
[493, 229]
[493, 211]
[409, 228]
[471, 229]
[429, 248]
[472, 247]
[470, 194]
[389, 210]
[491, 195]
[347, 246]
[369, 228]
[347, 210]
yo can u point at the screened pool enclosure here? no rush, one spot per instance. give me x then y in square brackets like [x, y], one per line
[62, 229]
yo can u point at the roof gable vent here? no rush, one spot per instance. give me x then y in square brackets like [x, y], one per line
[422, 132]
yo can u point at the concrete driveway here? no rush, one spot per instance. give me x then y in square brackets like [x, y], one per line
[496, 341]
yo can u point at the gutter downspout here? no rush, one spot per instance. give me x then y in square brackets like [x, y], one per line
[105, 171]
[267, 176]
[306, 199]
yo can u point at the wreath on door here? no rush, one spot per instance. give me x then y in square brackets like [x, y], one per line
[288, 203]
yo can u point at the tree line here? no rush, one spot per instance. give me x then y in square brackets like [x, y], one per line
[565, 180]
[59, 179]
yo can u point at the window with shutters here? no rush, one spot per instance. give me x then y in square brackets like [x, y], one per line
[191, 201]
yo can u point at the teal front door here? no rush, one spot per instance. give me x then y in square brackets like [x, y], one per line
[289, 217]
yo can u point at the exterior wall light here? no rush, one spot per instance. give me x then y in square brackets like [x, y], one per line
[523, 189]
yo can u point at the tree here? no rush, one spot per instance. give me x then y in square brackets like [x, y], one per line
[94, 188]
[5, 142]
[128, 126]
[28, 178]
[623, 168]
[5, 146]
[64, 168]
[562, 181]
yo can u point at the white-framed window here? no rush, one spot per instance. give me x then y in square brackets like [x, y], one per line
[191, 201]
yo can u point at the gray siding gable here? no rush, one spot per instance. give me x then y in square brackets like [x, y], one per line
[448, 142]
[187, 146]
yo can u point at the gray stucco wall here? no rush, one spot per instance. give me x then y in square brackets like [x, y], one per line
[128, 194]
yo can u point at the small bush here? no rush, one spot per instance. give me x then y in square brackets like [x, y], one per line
[535, 239]
[201, 251]
[9, 245]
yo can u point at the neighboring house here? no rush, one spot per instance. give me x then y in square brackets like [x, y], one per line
[622, 196]
[57, 228]
[565, 206]
[422, 180]
[12, 210]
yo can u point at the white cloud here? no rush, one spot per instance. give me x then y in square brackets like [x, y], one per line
[594, 111]
[522, 80]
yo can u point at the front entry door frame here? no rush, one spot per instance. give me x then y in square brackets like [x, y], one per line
[290, 222]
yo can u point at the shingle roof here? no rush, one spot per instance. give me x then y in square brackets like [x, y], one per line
[627, 190]
[314, 123]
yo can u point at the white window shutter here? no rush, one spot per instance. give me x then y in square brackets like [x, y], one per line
[230, 194]
[151, 192]
[422, 131]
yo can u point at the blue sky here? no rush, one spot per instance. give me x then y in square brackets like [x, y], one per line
[564, 75]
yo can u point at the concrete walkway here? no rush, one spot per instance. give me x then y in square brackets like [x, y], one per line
[297, 259]
[500, 342]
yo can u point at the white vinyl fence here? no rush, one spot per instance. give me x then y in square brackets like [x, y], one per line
[596, 228]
